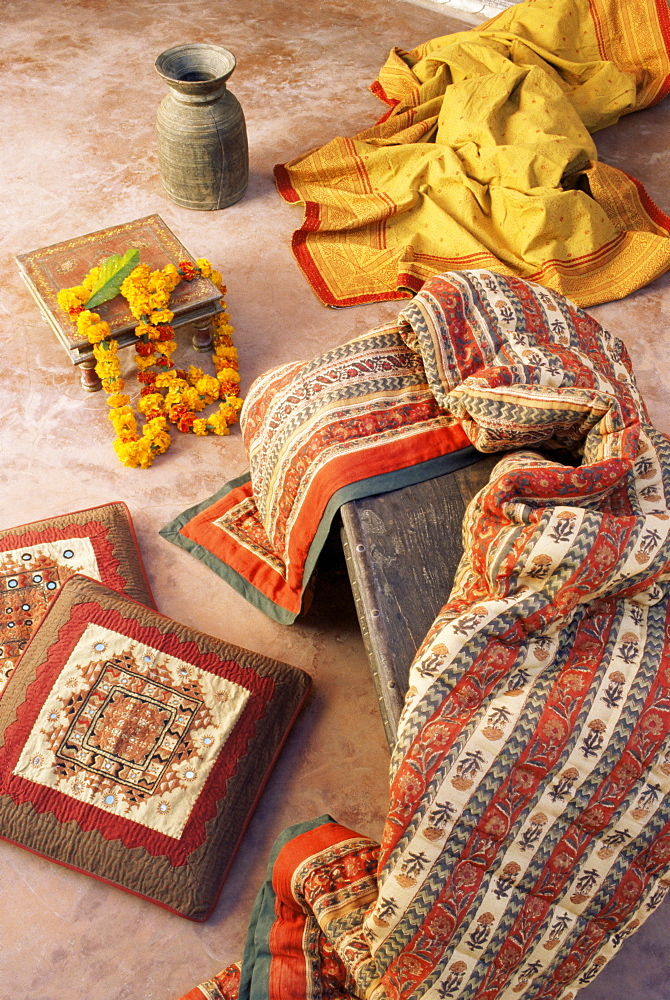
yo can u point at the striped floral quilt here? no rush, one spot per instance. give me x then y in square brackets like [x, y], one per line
[528, 832]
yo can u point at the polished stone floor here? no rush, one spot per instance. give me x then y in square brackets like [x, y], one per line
[79, 95]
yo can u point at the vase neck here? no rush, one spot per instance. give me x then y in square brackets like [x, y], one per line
[206, 96]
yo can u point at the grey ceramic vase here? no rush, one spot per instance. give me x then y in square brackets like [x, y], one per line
[202, 136]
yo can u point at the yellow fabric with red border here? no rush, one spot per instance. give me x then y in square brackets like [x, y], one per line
[486, 160]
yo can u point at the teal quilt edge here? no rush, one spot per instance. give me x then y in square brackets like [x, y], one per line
[384, 483]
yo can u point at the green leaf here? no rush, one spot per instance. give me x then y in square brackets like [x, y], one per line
[113, 273]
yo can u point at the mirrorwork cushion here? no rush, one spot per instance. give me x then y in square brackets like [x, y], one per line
[134, 749]
[36, 559]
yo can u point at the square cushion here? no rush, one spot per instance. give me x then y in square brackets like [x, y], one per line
[134, 749]
[36, 559]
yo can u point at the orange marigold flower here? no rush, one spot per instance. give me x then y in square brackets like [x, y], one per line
[187, 270]
[185, 422]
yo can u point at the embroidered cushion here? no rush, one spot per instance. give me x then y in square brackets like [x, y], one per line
[36, 559]
[134, 749]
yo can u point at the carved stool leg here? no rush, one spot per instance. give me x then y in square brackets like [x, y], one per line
[89, 377]
[202, 335]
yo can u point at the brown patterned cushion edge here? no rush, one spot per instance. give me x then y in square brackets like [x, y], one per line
[37, 558]
[134, 748]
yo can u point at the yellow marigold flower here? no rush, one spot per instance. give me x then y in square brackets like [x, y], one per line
[97, 333]
[86, 319]
[143, 363]
[161, 316]
[137, 277]
[194, 400]
[155, 425]
[123, 419]
[111, 384]
[230, 409]
[157, 301]
[222, 341]
[105, 350]
[133, 454]
[90, 279]
[216, 278]
[118, 399]
[205, 267]
[108, 369]
[224, 334]
[218, 424]
[194, 374]
[156, 433]
[69, 299]
[225, 351]
[199, 426]
[208, 385]
[225, 360]
[100, 353]
[228, 375]
[172, 405]
[167, 347]
[221, 323]
[153, 401]
[170, 271]
[140, 307]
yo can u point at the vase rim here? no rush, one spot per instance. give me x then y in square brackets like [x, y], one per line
[195, 67]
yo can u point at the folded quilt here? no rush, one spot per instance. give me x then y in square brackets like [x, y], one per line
[356, 421]
[486, 160]
[528, 831]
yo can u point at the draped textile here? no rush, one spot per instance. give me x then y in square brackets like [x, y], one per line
[528, 831]
[486, 160]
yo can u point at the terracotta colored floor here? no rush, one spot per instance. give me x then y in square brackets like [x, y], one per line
[79, 96]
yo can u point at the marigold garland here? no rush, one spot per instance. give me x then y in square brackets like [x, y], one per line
[169, 395]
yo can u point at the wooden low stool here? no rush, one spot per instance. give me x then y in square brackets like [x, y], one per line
[63, 265]
[402, 550]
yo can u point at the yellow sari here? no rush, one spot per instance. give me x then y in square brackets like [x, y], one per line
[486, 160]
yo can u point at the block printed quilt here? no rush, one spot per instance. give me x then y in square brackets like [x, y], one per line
[528, 832]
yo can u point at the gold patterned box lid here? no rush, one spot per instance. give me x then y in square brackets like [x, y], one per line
[63, 265]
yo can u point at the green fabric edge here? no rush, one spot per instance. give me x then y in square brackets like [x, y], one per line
[256, 958]
[384, 483]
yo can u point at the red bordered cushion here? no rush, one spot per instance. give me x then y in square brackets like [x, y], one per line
[134, 749]
[36, 559]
